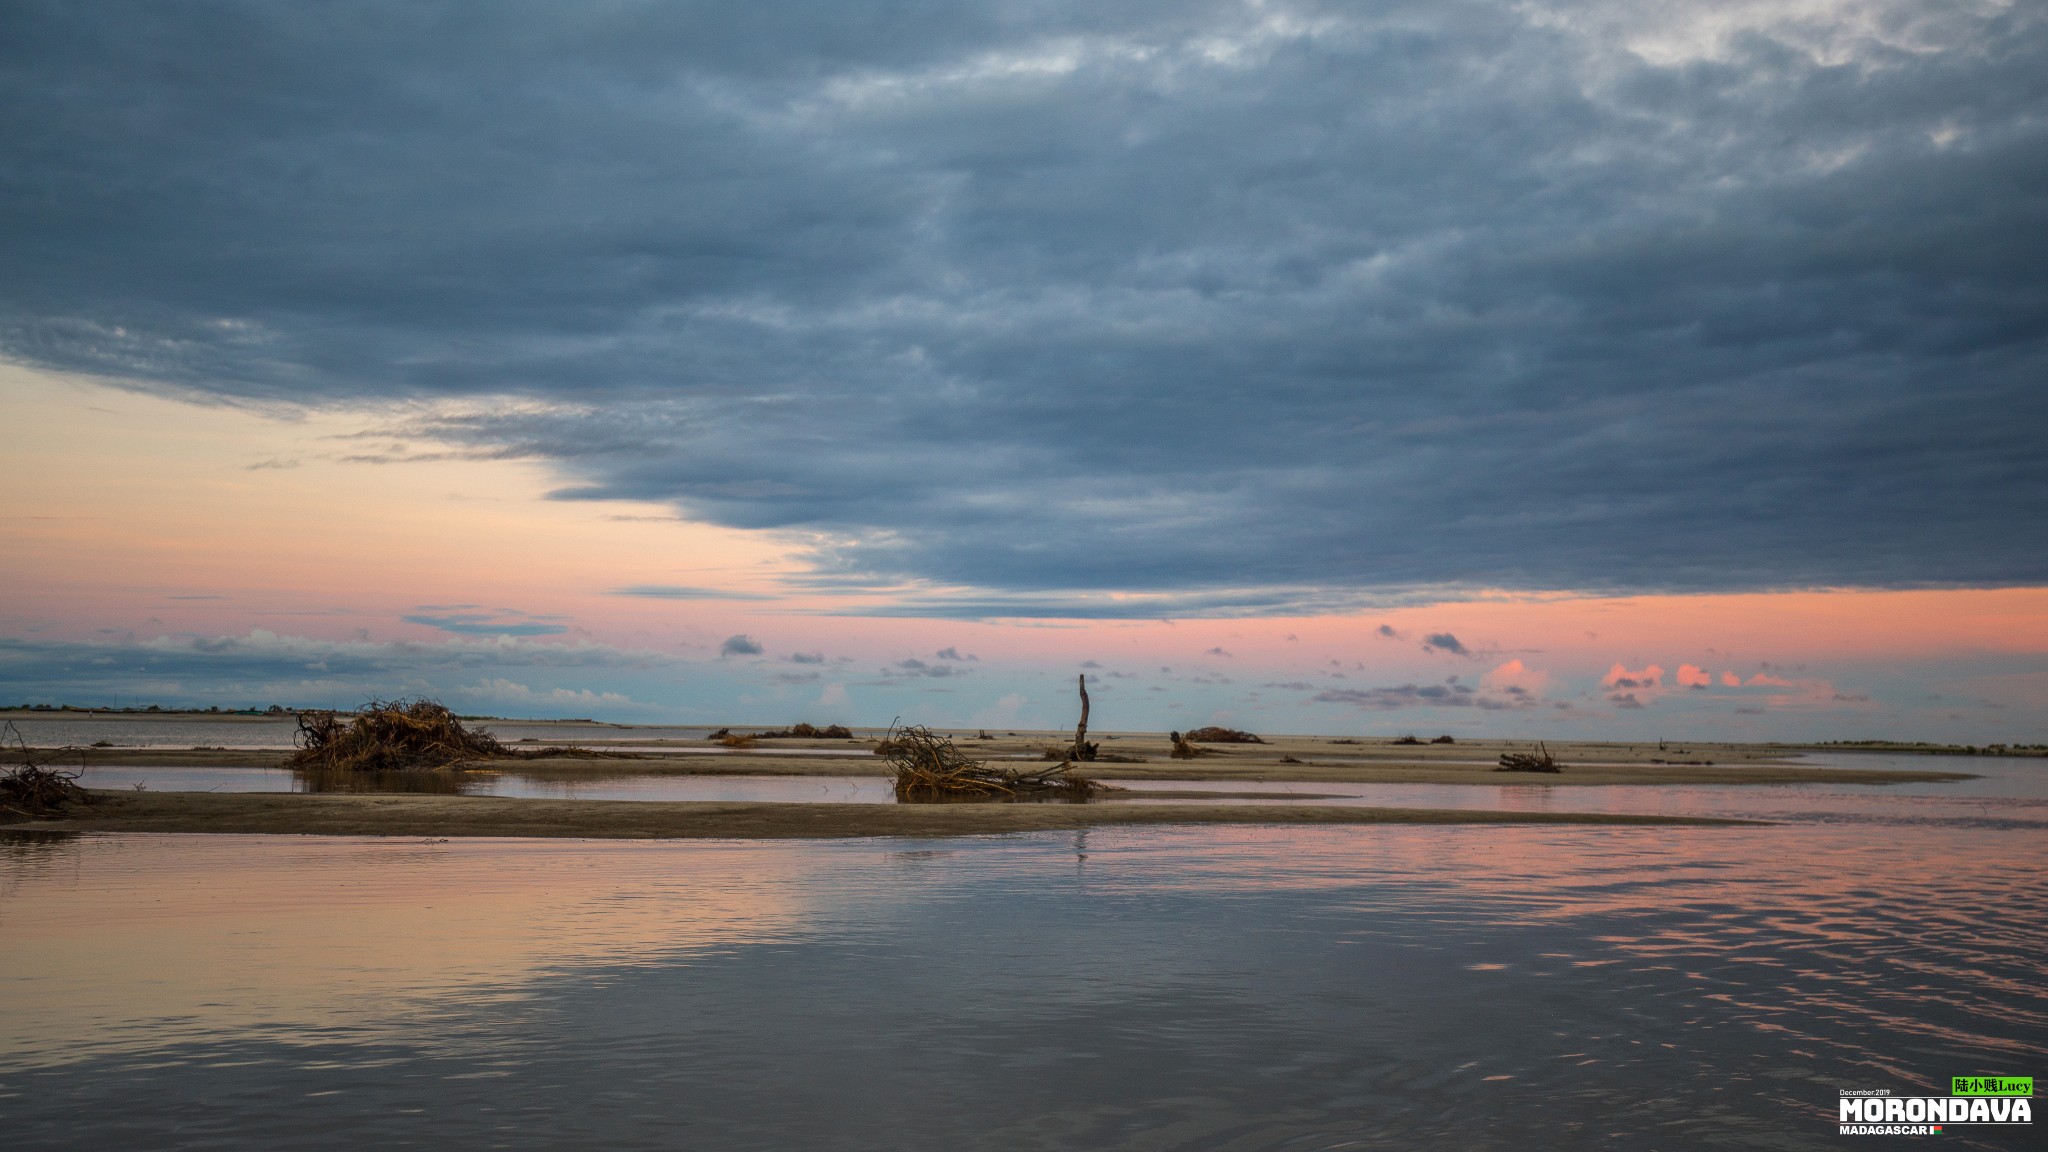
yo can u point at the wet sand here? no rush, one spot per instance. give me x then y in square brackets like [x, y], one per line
[1313, 761]
[386, 815]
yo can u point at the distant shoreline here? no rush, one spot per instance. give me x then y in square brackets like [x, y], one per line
[1321, 760]
[606, 732]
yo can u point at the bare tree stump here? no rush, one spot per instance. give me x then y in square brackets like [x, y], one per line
[1083, 750]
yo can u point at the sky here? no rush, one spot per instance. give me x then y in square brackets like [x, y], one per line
[1597, 369]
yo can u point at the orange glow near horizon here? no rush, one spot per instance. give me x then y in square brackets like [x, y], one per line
[137, 516]
[126, 508]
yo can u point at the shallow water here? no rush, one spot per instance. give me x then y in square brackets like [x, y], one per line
[1371, 987]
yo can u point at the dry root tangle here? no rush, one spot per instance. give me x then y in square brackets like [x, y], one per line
[929, 769]
[391, 735]
[408, 735]
[1214, 735]
[35, 791]
[1538, 761]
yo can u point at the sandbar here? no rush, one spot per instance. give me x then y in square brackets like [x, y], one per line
[1293, 761]
[412, 815]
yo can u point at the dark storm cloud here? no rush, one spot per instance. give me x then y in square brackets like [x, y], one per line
[261, 662]
[915, 667]
[1402, 696]
[684, 592]
[1095, 606]
[739, 645]
[261, 668]
[489, 624]
[1444, 642]
[1449, 694]
[1199, 298]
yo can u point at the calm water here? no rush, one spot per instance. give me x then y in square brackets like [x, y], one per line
[1209, 988]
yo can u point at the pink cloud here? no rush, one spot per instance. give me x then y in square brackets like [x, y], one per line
[1690, 676]
[1621, 677]
[1517, 679]
[1731, 680]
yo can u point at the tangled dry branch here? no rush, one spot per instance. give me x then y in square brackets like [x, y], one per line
[391, 735]
[929, 769]
[409, 735]
[1214, 735]
[36, 791]
[1538, 761]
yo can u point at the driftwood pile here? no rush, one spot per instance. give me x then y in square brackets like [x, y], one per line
[1214, 735]
[929, 769]
[731, 739]
[1538, 761]
[388, 736]
[407, 736]
[1183, 749]
[35, 791]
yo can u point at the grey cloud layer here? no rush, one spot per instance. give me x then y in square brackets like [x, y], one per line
[1043, 299]
[262, 662]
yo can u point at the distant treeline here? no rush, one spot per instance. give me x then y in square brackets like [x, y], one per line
[1938, 749]
[211, 710]
[216, 710]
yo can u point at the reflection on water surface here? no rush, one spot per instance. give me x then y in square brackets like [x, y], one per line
[1130, 988]
[2009, 793]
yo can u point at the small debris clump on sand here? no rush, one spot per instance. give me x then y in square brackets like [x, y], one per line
[1067, 753]
[34, 791]
[929, 769]
[1538, 761]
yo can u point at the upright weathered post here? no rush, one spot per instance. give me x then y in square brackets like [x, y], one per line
[1083, 750]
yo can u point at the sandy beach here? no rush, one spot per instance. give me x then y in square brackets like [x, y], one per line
[1126, 756]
